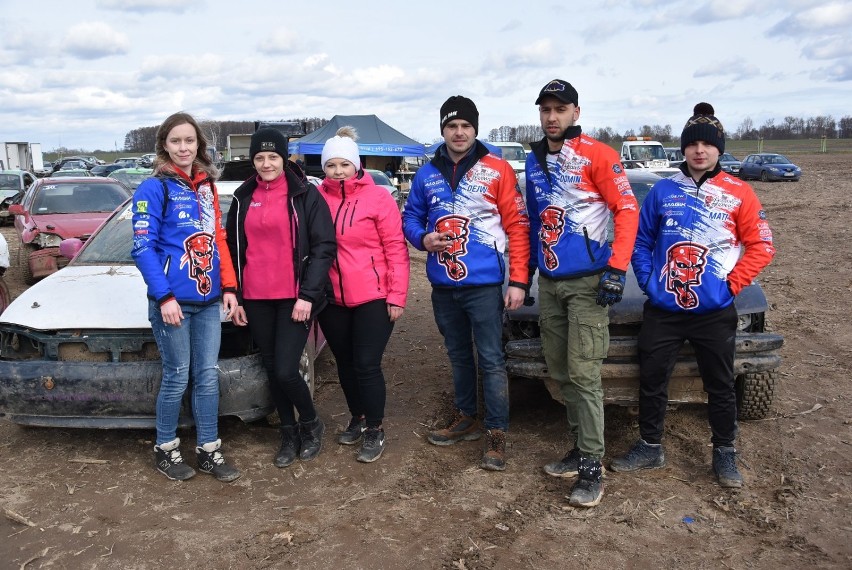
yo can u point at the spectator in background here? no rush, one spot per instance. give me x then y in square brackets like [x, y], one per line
[463, 207]
[180, 250]
[370, 282]
[281, 239]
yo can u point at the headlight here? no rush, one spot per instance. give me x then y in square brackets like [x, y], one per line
[48, 240]
[774, 169]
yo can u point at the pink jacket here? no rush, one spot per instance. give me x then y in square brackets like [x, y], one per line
[372, 256]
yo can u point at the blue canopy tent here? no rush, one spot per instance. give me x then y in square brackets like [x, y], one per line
[432, 148]
[375, 138]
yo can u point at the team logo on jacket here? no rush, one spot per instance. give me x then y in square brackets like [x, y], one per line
[198, 255]
[685, 263]
[552, 228]
[459, 233]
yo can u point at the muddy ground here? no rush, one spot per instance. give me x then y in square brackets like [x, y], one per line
[421, 506]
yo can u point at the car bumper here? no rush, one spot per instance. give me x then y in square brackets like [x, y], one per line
[755, 352]
[118, 395]
[782, 177]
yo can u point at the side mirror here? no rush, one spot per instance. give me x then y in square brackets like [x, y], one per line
[16, 210]
[70, 247]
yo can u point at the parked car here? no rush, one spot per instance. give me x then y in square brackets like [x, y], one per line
[757, 357]
[71, 173]
[147, 160]
[674, 155]
[86, 364]
[730, 164]
[74, 162]
[53, 209]
[768, 167]
[128, 161]
[12, 182]
[105, 169]
[381, 179]
[131, 177]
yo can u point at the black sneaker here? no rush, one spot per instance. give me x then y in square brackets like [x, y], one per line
[310, 434]
[642, 455]
[565, 467]
[725, 467]
[589, 488]
[353, 432]
[169, 462]
[289, 449]
[211, 460]
[373, 446]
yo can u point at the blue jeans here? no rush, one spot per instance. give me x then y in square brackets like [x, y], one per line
[192, 349]
[462, 315]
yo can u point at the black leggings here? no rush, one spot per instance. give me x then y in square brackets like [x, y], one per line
[281, 341]
[358, 337]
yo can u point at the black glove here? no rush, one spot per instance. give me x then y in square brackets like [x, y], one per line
[529, 300]
[611, 287]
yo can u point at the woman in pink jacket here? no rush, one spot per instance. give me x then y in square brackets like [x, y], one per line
[370, 281]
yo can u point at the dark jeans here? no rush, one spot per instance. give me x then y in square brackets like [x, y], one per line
[281, 342]
[713, 337]
[462, 315]
[357, 337]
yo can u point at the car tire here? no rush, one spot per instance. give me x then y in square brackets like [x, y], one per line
[764, 177]
[23, 262]
[755, 392]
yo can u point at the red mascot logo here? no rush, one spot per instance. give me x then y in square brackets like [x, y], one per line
[457, 228]
[199, 257]
[552, 227]
[685, 265]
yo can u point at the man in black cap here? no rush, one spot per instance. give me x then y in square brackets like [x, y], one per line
[689, 261]
[573, 184]
[463, 208]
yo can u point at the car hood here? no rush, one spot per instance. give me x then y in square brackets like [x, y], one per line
[70, 225]
[83, 297]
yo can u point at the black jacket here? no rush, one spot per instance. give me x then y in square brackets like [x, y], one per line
[315, 246]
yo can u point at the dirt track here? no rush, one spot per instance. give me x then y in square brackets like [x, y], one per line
[425, 507]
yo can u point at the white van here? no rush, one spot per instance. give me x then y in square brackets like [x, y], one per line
[514, 154]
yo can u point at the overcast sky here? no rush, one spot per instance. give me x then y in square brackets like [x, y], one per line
[82, 74]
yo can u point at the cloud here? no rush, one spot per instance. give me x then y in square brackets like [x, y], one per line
[819, 20]
[95, 40]
[511, 25]
[186, 68]
[281, 43]
[840, 71]
[721, 10]
[828, 48]
[736, 68]
[149, 6]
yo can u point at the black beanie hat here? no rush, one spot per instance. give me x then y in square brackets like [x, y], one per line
[703, 126]
[458, 107]
[268, 140]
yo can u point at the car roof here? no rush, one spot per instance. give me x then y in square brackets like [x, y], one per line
[641, 175]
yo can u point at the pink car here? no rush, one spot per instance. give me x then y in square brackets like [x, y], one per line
[53, 209]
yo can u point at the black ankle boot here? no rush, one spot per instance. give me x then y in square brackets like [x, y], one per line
[311, 436]
[290, 444]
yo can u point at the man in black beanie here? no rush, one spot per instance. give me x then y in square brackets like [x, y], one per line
[689, 261]
[463, 208]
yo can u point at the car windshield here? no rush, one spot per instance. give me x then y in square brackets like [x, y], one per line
[729, 157]
[647, 152]
[78, 198]
[131, 180]
[776, 159]
[379, 178]
[512, 153]
[10, 182]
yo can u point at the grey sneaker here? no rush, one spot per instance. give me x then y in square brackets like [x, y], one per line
[494, 456]
[725, 467]
[373, 445]
[211, 460]
[169, 462]
[353, 432]
[642, 455]
[589, 488]
[565, 467]
[461, 428]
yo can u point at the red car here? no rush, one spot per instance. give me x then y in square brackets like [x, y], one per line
[53, 209]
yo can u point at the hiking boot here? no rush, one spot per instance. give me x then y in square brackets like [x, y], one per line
[725, 467]
[353, 432]
[169, 462]
[461, 428]
[565, 467]
[373, 445]
[494, 458]
[642, 455]
[310, 434]
[211, 460]
[289, 449]
[589, 488]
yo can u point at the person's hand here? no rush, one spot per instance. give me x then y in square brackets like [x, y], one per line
[239, 317]
[172, 315]
[301, 311]
[229, 301]
[611, 287]
[514, 297]
[436, 241]
[394, 312]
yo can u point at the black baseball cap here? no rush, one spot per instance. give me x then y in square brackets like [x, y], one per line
[560, 89]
